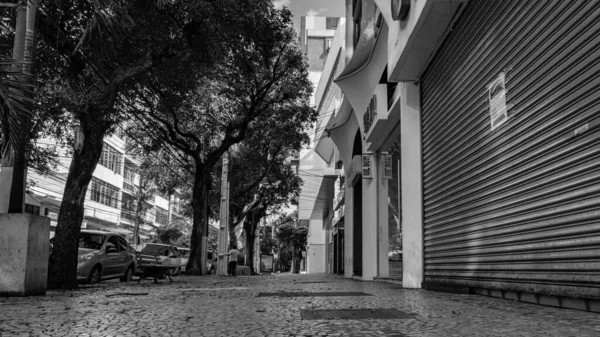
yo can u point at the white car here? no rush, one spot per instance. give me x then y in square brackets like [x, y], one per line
[167, 256]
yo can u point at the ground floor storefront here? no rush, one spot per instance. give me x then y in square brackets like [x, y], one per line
[280, 305]
[511, 152]
[486, 163]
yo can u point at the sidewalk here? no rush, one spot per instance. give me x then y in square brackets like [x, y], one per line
[230, 306]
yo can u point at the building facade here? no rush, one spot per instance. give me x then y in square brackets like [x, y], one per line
[110, 199]
[319, 38]
[483, 116]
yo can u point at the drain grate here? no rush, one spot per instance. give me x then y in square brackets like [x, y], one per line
[311, 294]
[332, 314]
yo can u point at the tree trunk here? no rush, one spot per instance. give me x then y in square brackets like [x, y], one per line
[197, 262]
[138, 216]
[293, 267]
[86, 154]
[250, 229]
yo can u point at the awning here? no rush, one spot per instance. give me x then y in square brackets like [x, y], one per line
[364, 70]
[324, 144]
[385, 7]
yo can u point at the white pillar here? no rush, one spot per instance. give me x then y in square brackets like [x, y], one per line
[412, 186]
[224, 219]
[257, 250]
[383, 221]
[348, 230]
[370, 222]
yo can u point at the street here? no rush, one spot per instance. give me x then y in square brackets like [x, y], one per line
[272, 305]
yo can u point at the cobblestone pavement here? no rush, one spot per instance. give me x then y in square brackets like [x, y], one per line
[227, 306]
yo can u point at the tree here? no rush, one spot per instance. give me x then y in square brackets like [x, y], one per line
[294, 239]
[168, 235]
[263, 179]
[267, 244]
[103, 46]
[261, 73]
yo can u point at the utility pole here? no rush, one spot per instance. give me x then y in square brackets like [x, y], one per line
[257, 249]
[224, 219]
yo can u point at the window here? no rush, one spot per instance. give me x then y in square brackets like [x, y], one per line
[129, 174]
[357, 18]
[111, 159]
[32, 209]
[162, 216]
[104, 193]
[112, 243]
[122, 244]
[91, 241]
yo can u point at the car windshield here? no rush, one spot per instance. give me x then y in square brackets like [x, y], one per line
[184, 252]
[91, 241]
[155, 250]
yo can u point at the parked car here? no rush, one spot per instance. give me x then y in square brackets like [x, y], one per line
[165, 255]
[103, 256]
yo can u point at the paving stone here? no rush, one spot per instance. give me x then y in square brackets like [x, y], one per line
[227, 306]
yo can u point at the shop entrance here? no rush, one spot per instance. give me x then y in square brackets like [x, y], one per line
[395, 214]
[357, 230]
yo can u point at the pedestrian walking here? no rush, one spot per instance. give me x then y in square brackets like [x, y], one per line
[233, 257]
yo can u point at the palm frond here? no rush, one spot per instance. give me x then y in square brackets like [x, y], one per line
[15, 102]
[109, 21]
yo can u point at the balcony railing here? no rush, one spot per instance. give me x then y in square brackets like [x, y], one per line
[129, 187]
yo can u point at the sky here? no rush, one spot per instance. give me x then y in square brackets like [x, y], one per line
[313, 8]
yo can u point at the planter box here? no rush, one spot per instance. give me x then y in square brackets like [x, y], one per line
[24, 251]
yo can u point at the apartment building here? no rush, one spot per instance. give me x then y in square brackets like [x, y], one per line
[109, 202]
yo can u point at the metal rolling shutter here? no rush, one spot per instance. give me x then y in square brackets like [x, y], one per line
[517, 208]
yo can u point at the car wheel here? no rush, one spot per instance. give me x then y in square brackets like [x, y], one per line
[128, 277]
[95, 275]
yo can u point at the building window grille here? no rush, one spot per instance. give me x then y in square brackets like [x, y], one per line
[105, 193]
[129, 174]
[162, 216]
[111, 159]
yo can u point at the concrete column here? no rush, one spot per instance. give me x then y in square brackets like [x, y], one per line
[370, 223]
[327, 263]
[383, 222]
[315, 255]
[412, 186]
[348, 232]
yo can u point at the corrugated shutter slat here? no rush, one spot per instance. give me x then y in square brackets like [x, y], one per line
[516, 208]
